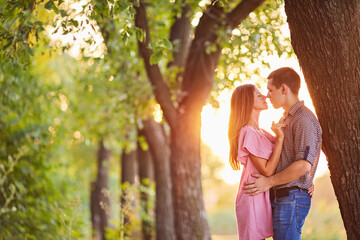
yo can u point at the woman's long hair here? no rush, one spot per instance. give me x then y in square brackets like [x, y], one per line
[242, 103]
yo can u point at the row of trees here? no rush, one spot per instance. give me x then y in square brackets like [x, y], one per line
[180, 69]
[170, 53]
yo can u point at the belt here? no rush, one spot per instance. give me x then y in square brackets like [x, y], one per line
[282, 192]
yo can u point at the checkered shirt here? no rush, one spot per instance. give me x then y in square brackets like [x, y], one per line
[302, 140]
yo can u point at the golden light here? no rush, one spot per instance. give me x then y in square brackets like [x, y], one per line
[203, 3]
[77, 134]
[196, 19]
[63, 102]
[236, 32]
[57, 121]
[157, 113]
[90, 88]
[63, 106]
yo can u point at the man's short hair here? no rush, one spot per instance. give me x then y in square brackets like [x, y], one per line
[287, 76]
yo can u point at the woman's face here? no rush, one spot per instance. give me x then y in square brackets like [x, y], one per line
[259, 100]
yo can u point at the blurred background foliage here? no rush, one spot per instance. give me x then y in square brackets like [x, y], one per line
[57, 105]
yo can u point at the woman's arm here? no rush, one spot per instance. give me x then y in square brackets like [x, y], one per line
[267, 167]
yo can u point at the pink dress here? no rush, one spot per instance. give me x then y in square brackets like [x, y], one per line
[253, 213]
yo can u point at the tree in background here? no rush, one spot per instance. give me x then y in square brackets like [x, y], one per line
[99, 199]
[326, 37]
[146, 177]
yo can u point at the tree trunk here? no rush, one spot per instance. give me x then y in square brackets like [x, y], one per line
[160, 152]
[128, 170]
[326, 37]
[186, 177]
[146, 178]
[184, 120]
[100, 202]
[128, 167]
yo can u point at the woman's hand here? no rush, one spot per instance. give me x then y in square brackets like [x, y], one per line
[277, 129]
[311, 190]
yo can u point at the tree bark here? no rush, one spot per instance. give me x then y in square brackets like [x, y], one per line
[326, 37]
[128, 170]
[180, 38]
[146, 178]
[160, 152]
[191, 221]
[128, 167]
[161, 90]
[100, 202]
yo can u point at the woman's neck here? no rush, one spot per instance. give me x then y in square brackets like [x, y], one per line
[254, 121]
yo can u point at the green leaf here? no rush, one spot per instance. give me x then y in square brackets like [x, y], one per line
[38, 23]
[167, 43]
[28, 49]
[155, 57]
[132, 11]
[74, 23]
[56, 10]
[140, 34]
[122, 5]
[49, 5]
[8, 44]
[137, 3]
[63, 13]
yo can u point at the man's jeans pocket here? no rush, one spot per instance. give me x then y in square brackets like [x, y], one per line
[284, 216]
[289, 215]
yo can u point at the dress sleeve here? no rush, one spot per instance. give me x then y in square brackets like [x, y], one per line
[252, 142]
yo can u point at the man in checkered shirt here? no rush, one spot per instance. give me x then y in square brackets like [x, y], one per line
[295, 172]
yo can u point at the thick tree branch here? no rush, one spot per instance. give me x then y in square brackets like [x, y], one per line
[161, 90]
[241, 11]
[180, 36]
[200, 64]
[160, 151]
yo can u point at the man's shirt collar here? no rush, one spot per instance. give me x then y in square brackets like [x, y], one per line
[294, 108]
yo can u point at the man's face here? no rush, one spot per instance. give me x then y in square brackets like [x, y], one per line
[275, 95]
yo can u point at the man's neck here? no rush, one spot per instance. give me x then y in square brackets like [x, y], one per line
[291, 101]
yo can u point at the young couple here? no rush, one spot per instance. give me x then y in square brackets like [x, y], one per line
[275, 190]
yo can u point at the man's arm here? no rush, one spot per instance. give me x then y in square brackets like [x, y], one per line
[289, 174]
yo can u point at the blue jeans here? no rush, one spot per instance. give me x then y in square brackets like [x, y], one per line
[289, 214]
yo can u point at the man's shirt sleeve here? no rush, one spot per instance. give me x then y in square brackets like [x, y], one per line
[306, 140]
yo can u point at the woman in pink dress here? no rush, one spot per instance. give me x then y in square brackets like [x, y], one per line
[259, 152]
